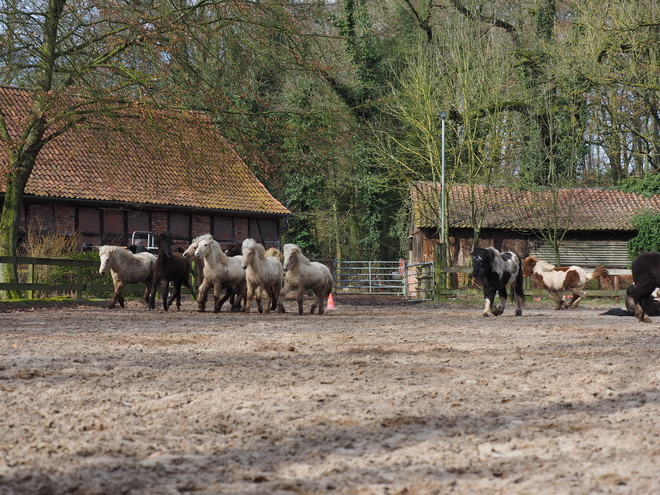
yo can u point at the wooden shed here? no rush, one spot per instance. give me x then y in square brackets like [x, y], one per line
[143, 170]
[599, 222]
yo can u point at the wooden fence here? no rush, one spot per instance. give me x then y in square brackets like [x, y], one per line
[443, 272]
[79, 287]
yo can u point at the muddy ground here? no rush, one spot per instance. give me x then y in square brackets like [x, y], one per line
[372, 398]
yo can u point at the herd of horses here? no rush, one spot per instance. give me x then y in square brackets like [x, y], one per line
[252, 273]
[246, 275]
[496, 271]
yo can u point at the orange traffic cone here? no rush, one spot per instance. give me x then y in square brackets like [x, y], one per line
[331, 302]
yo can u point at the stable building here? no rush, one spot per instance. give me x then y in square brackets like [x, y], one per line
[597, 222]
[140, 172]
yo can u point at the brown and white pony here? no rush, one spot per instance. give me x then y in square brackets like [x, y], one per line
[561, 279]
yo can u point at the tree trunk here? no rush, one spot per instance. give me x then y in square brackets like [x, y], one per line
[21, 162]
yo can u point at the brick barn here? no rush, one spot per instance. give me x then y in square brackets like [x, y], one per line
[113, 180]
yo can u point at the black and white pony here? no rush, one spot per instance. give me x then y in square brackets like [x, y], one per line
[646, 277]
[495, 271]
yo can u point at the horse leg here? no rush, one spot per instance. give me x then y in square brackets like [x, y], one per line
[517, 293]
[274, 294]
[177, 294]
[280, 300]
[202, 294]
[274, 298]
[147, 290]
[500, 307]
[229, 292]
[248, 298]
[239, 297]
[300, 297]
[152, 295]
[176, 285]
[116, 296]
[323, 298]
[556, 296]
[639, 309]
[640, 297]
[259, 293]
[489, 298]
[166, 290]
[318, 301]
[578, 295]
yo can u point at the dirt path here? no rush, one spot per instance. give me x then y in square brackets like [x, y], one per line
[387, 399]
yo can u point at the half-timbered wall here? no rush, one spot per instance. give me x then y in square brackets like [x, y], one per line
[98, 225]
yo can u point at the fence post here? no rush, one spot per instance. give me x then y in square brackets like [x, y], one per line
[30, 292]
[369, 276]
[440, 276]
[405, 281]
[79, 277]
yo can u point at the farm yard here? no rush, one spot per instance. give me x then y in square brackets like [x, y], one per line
[379, 396]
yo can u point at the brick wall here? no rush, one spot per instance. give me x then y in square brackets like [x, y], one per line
[201, 224]
[241, 231]
[65, 219]
[159, 222]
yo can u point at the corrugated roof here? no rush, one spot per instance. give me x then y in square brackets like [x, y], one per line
[525, 210]
[147, 156]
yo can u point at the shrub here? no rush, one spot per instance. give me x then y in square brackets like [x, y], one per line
[648, 234]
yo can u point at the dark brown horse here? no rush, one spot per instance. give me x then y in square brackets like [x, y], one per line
[172, 268]
[646, 277]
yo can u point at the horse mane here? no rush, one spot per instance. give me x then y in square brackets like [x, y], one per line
[256, 247]
[544, 266]
[216, 249]
[296, 249]
[121, 251]
[200, 237]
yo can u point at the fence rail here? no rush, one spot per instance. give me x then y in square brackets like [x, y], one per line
[616, 273]
[415, 281]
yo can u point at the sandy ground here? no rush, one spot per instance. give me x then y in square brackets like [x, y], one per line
[388, 398]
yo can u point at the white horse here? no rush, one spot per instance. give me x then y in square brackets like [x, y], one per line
[302, 274]
[126, 268]
[262, 273]
[220, 272]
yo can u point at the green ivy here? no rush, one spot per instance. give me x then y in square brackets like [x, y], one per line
[648, 234]
[646, 186]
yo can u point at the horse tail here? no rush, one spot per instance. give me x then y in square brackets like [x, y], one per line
[599, 272]
[618, 312]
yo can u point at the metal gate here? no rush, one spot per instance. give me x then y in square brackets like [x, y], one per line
[384, 277]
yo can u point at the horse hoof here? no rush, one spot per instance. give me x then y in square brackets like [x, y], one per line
[518, 313]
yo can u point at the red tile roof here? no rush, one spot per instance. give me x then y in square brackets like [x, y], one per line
[148, 156]
[525, 210]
